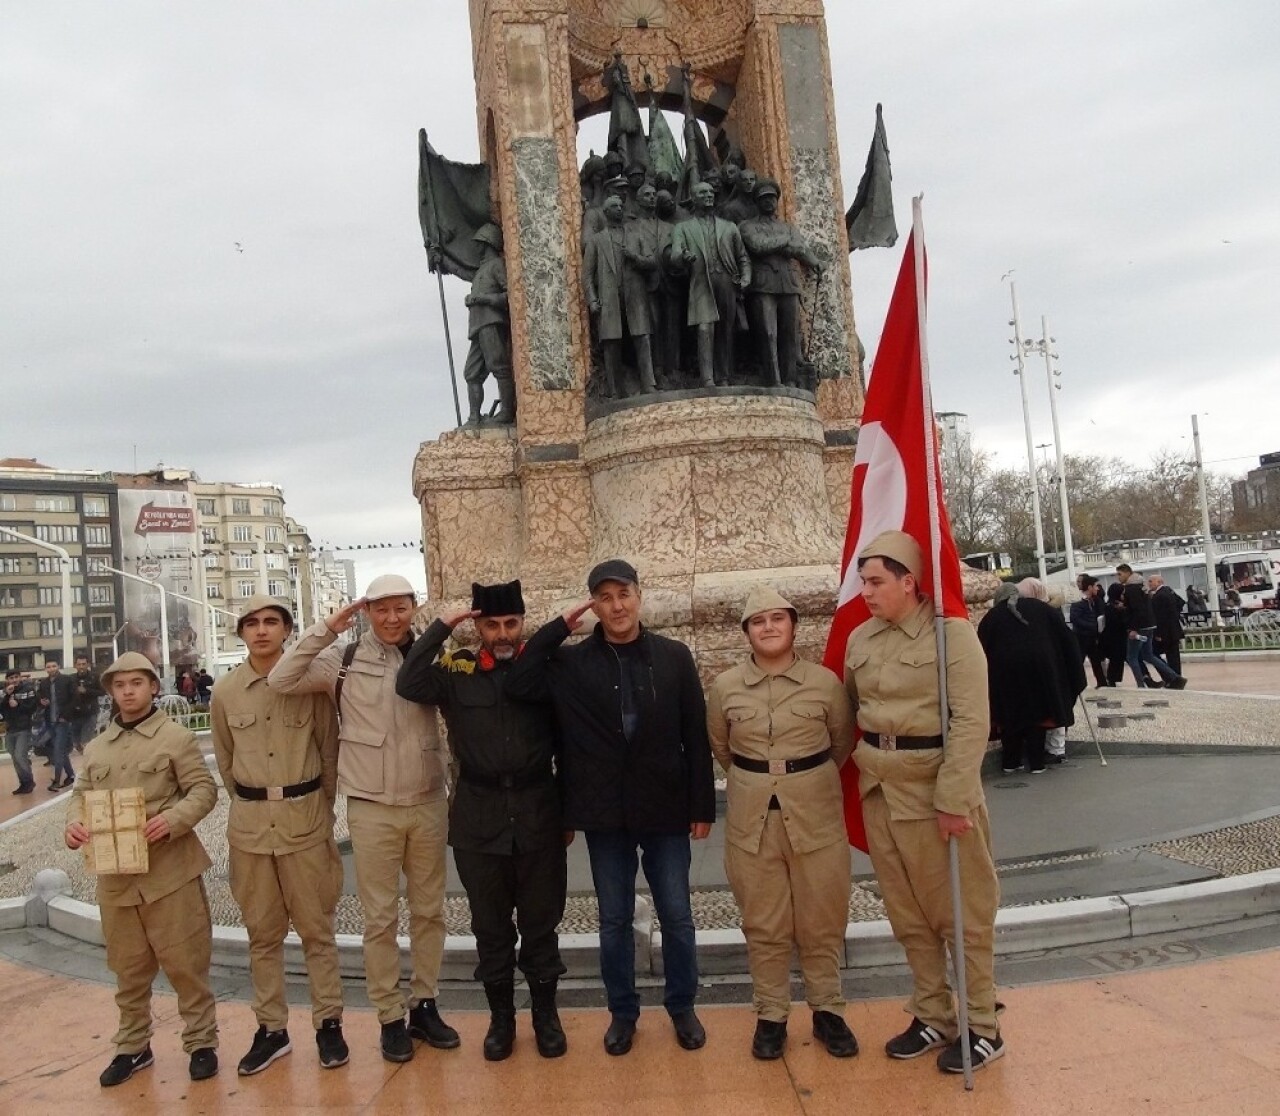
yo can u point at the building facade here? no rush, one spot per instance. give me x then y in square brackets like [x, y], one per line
[1257, 497]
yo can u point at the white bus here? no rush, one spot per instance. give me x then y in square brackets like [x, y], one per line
[1250, 573]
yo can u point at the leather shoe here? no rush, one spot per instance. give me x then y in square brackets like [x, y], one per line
[617, 1039]
[203, 1064]
[396, 1044]
[769, 1040]
[689, 1031]
[426, 1025]
[833, 1032]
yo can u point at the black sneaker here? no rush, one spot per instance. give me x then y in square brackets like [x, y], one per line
[981, 1051]
[267, 1047]
[1178, 683]
[203, 1064]
[333, 1047]
[124, 1066]
[690, 1033]
[425, 1024]
[770, 1039]
[397, 1046]
[833, 1032]
[24, 790]
[917, 1039]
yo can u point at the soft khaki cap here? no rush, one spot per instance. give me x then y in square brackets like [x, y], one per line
[257, 603]
[389, 585]
[130, 660]
[897, 545]
[765, 598]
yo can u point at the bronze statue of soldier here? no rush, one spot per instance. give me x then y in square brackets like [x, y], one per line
[489, 328]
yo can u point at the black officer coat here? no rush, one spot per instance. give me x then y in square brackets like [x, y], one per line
[506, 798]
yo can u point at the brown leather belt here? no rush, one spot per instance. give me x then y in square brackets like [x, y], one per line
[890, 743]
[782, 767]
[277, 794]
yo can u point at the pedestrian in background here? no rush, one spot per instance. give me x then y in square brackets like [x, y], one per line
[1115, 634]
[1166, 607]
[1088, 622]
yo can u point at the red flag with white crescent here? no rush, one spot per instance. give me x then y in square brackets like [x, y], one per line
[897, 482]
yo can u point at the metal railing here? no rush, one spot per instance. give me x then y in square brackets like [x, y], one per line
[1255, 631]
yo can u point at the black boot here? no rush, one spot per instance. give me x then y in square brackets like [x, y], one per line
[501, 1036]
[547, 1031]
[475, 402]
[506, 402]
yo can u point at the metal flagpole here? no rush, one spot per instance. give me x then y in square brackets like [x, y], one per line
[435, 255]
[940, 633]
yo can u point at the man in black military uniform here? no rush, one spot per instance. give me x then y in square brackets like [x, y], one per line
[504, 819]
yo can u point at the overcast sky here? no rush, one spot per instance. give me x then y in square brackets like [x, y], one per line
[210, 253]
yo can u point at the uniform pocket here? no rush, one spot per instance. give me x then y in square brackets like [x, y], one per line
[297, 717]
[360, 759]
[241, 720]
[97, 773]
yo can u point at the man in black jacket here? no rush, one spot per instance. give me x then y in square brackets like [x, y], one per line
[504, 817]
[637, 781]
[1087, 621]
[1166, 609]
[85, 691]
[1142, 629]
[17, 707]
[57, 701]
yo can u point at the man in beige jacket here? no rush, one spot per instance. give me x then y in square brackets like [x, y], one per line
[278, 755]
[918, 795]
[392, 769]
[159, 919]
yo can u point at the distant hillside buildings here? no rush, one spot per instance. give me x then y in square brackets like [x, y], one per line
[208, 545]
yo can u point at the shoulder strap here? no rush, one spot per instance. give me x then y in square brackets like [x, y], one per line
[347, 656]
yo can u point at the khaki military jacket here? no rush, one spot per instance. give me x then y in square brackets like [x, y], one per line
[800, 712]
[162, 758]
[891, 673]
[389, 749]
[263, 738]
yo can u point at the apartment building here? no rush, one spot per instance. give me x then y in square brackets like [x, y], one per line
[74, 509]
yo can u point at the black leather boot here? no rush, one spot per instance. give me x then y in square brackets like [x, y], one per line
[501, 1036]
[506, 401]
[547, 1031]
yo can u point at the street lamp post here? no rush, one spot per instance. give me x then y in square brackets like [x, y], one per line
[64, 567]
[1026, 423]
[1210, 559]
[164, 619]
[1052, 376]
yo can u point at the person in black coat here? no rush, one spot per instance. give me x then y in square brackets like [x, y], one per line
[1115, 635]
[1087, 620]
[1166, 607]
[504, 814]
[637, 780]
[1034, 675]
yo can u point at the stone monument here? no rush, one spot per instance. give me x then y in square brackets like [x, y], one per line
[708, 489]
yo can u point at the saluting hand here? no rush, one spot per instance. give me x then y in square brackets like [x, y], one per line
[453, 619]
[573, 616]
[341, 620]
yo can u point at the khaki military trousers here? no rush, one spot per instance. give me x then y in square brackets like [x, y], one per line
[173, 934]
[300, 887]
[789, 898]
[913, 870]
[385, 841]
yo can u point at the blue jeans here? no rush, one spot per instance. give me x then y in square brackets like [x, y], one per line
[60, 751]
[615, 855]
[1140, 651]
[18, 741]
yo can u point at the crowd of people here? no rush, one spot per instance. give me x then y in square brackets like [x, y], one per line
[611, 736]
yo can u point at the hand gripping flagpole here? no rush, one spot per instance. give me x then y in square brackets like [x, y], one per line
[940, 632]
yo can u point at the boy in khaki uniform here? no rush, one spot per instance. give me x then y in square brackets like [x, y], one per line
[781, 727]
[916, 797]
[160, 919]
[278, 755]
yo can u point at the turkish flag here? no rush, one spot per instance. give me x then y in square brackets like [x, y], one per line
[897, 485]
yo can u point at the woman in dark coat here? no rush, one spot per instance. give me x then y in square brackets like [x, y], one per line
[1115, 635]
[1034, 675]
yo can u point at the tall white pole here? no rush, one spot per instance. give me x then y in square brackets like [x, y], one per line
[1049, 373]
[1026, 424]
[164, 619]
[1210, 562]
[64, 568]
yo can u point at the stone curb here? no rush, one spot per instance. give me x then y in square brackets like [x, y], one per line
[867, 945]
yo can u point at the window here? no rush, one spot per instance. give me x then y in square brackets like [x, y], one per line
[275, 561]
[103, 625]
[240, 506]
[97, 536]
[47, 564]
[11, 565]
[8, 503]
[96, 565]
[55, 503]
[51, 627]
[274, 534]
[11, 629]
[246, 588]
[102, 594]
[57, 533]
[213, 592]
[242, 561]
[9, 598]
[51, 595]
[212, 561]
[272, 508]
[209, 536]
[241, 533]
[206, 507]
[277, 588]
[96, 507]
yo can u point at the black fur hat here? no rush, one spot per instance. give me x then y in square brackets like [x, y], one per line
[497, 600]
